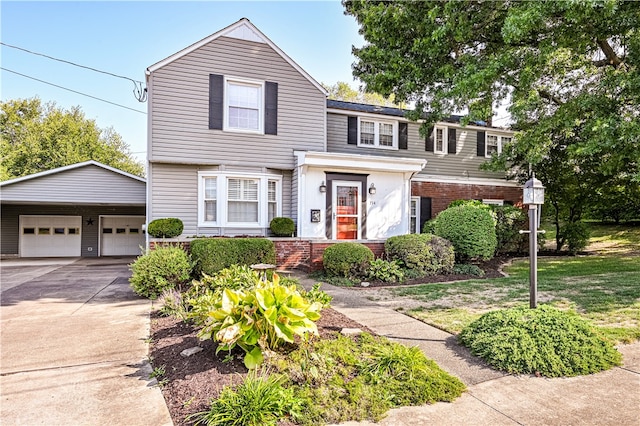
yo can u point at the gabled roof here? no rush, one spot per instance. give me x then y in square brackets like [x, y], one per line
[243, 30]
[71, 167]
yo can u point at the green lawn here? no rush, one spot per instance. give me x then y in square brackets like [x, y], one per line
[603, 288]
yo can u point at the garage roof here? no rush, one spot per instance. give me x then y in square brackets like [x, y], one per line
[89, 182]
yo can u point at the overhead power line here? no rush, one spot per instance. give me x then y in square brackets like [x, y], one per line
[139, 91]
[71, 90]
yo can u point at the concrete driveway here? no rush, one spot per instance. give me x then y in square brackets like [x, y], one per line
[73, 345]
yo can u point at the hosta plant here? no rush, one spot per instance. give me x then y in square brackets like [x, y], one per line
[258, 319]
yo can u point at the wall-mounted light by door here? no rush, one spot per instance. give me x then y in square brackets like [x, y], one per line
[323, 187]
[372, 189]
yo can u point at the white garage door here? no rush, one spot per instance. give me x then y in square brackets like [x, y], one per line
[122, 235]
[50, 236]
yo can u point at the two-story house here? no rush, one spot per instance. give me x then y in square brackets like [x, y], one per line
[238, 134]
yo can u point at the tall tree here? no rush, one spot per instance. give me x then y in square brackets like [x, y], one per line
[342, 91]
[569, 70]
[35, 137]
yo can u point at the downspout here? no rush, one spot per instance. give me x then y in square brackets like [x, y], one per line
[149, 182]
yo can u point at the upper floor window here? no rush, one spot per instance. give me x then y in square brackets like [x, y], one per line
[440, 140]
[495, 143]
[378, 134]
[244, 106]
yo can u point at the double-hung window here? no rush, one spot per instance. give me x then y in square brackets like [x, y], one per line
[244, 105]
[378, 134]
[414, 216]
[495, 143]
[238, 199]
[440, 140]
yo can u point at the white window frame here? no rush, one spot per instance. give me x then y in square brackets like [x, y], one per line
[500, 142]
[445, 139]
[376, 138]
[417, 215]
[261, 104]
[222, 198]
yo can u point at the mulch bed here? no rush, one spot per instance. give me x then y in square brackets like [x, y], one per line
[189, 383]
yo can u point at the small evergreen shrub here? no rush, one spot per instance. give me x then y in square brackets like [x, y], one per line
[468, 269]
[576, 236]
[425, 253]
[282, 226]
[429, 227]
[347, 259]
[165, 228]
[160, 269]
[545, 341]
[386, 271]
[470, 229]
[211, 255]
[509, 221]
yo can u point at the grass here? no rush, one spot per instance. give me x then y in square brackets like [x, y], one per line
[602, 288]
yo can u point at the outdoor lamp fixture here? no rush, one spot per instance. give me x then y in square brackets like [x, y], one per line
[323, 187]
[533, 196]
[372, 189]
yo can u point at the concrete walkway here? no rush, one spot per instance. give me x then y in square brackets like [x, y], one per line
[74, 348]
[494, 398]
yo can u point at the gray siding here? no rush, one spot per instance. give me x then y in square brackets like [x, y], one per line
[84, 185]
[10, 213]
[180, 106]
[174, 193]
[464, 163]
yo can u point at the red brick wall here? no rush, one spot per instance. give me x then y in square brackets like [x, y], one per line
[292, 254]
[442, 194]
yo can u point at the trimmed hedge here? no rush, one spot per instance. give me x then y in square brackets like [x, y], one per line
[470, 229]
[509, 221]
[211, 255]
[426, 254]
[159, 270]
[282, 226]
[347, 260]
[165, 228]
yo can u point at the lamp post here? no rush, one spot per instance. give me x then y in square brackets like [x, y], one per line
[533, 196]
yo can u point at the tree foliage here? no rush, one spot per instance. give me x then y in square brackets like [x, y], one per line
[36, 137]
[342, 91]
[568, 69]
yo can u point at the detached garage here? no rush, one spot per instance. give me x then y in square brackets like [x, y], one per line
[87, 209]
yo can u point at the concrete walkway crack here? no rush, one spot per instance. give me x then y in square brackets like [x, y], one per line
[92, 297]
[495, 409]
[62, 367]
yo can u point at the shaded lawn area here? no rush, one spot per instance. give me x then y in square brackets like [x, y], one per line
[605, 289]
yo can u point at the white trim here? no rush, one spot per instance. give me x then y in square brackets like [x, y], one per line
[466, 181]
[499, 141]
[417, 201]
[230, 31]
[239, 81]
[337, 161]
[222, 198]
[376, 131]
[71, 167]
[445, 139]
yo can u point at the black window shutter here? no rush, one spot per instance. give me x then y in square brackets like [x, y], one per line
[481, 142]
[428, 143]
[352, 130]
[452, 141]
[216, 101]
[425, 210]
[271, 108]
[403, 135]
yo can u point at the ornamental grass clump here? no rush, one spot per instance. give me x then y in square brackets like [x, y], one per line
[544, 341]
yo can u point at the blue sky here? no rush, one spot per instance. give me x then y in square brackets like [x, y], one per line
[126, 37]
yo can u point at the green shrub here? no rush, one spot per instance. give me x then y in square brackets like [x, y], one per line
[211, 255]
[468, 269]
[165, 228]
[386, 271]
[282, 226]
[575, 236]
[509, 221]
[429, 227]
[262, 317]
[259, 400]
[545, 341]
[425, 253]
[317, 295]
[471, 230]
[347, 259]
[235, 277]
[160, 269]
